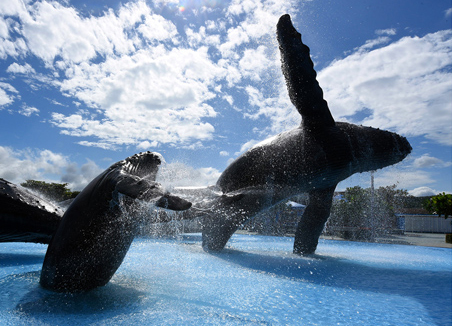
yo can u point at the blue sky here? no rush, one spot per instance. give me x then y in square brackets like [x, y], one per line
[84, 84]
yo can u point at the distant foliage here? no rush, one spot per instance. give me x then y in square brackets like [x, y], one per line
[53, 191]
[363, 214]
[440, 204]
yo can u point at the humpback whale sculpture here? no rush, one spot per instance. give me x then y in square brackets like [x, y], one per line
[312, 158]
[94, 236]
[25, 217]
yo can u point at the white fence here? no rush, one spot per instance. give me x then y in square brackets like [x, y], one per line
[425, 223]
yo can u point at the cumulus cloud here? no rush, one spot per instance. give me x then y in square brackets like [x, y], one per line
[19, 165]
[53, 30]
[388, 31]
[403, 178]
[253, 62]
[422, 192]
[427, 161]
[408, 78]
[146, 145]
[28, 110]
[78, 177]
[246, 146]
[151, 95]
[16, 68]
[403, 175]
[448, 12]
[7, 94]
[144, 82]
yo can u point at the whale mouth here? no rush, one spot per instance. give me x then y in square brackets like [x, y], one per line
[144, 165]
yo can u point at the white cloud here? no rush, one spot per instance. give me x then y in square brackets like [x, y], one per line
[201, 37]
[224, 153]
[388, 31]
[249, 144]
[12, 7]
[140, 93]
[157, 28]
[448, 13]
[274, 105]
[143, 84]
[28, 110]
[18, 166]
[422, 192]
[254, 62]
[409, 78]
[16, 68]
[78, 177]
[4, 33]
[373, 43]
[146, 145]
[427, 161]
[52, 30]
[260, 21]
[6, 97]
[236, 36]
[403, 176]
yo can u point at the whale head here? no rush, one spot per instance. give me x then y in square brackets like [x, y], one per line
[137, 175]
[373, 148]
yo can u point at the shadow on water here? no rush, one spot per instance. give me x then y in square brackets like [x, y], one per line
[15, 259]
[430, 288]
[23, 296]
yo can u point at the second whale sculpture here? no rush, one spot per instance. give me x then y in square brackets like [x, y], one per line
[312, 158]
[26, 217]
[94, 235]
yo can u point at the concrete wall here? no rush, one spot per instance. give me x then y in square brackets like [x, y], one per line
[425, 223]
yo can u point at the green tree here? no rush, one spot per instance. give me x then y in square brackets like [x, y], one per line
[53, 191]
[440, 204]
[366, 213]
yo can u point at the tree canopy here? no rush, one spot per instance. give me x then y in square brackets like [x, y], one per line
[53, 191]
[368, 212]
[440, 204]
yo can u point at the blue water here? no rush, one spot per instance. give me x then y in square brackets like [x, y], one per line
[255, 281]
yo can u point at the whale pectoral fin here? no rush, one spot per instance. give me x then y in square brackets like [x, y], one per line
[173, 203]
[138, 188]
[313, 220]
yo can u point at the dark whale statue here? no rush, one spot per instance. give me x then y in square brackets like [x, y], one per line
[312, 158]
[94, 236]
[26, 217]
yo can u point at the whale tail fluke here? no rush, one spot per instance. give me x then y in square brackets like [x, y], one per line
[298, 69]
